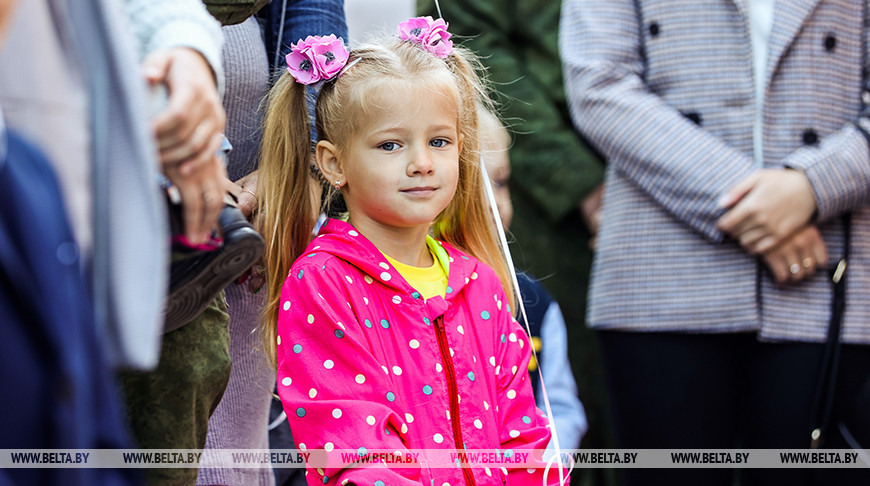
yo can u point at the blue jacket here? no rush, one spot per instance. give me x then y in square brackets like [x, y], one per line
[550, 341]
[58, 388]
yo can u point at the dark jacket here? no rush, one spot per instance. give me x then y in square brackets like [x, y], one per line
[59, 394]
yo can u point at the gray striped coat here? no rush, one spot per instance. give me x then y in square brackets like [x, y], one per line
[664, 88]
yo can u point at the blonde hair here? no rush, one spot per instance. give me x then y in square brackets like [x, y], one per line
[494, 135]
[293, 193]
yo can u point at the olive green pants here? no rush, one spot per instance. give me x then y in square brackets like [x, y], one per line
[169, 407]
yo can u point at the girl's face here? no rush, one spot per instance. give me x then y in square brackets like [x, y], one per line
[494, 146]
[401, 169]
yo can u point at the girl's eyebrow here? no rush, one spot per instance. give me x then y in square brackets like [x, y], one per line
[401, 130]
[444, 127]
[387, 131]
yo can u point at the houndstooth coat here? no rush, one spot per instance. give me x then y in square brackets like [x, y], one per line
[664, 88]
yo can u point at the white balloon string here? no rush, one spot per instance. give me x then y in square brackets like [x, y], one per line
[522, 308]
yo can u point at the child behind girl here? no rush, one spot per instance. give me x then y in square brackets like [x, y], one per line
[387, 338]
[546, 323]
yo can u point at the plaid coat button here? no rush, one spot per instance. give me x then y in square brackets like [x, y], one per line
[830, 42]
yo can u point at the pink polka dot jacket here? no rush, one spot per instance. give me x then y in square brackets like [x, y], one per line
[365, 364]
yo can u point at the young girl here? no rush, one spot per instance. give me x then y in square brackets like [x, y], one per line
[389, 339]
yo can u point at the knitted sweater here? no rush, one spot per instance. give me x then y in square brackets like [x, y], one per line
[241, 418]
[177, 24]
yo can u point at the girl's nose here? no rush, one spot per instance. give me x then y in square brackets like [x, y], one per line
[421, 162]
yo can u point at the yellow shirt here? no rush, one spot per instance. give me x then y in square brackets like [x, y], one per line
[429, 281]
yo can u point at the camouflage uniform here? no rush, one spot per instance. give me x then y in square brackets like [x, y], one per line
[169, 407]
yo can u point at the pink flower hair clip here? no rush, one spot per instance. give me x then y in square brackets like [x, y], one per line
[317, 59]
[431, 34]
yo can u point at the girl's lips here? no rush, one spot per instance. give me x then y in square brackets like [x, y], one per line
[419, 190]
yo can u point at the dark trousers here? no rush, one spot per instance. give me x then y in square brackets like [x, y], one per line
[723, 391]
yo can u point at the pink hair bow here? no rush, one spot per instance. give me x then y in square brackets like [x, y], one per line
[431, 34]
[316, 58]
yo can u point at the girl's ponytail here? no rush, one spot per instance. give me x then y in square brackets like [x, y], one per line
[287, 210]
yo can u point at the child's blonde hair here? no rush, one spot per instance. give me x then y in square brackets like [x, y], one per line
[294, 193]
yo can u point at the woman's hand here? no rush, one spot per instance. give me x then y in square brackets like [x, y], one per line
[247, 194]
[245, 190]
[767, 208]
[798, 257]
[590, 211]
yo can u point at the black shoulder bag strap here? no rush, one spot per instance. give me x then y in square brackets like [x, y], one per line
[823, 396]
[827, 379]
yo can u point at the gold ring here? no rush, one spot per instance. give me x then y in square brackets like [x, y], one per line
[807, 263]
[794, 269]
[249, 192]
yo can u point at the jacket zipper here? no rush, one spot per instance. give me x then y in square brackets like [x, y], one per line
[453, 391]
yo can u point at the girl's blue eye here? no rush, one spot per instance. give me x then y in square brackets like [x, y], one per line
[388, 146]
[438, 143]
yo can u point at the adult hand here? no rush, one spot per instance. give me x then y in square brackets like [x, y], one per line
[767, 207]
[797, 257]
[247, 190]
[202, 197]
[590, 211]
[188, 132]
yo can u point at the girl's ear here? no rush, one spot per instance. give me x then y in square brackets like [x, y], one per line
[326, 158]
